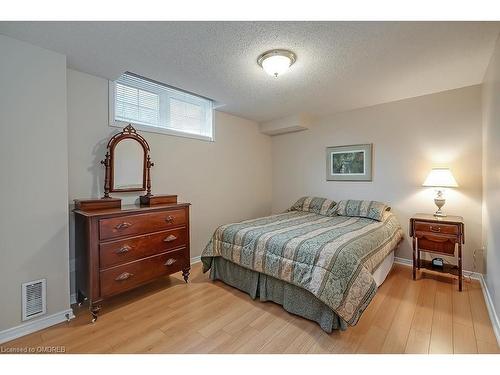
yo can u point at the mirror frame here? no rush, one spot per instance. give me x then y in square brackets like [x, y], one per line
[128, 132]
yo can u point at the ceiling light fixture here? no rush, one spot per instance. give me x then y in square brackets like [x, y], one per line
[277, 61]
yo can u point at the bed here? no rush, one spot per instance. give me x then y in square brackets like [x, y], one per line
[319, 260]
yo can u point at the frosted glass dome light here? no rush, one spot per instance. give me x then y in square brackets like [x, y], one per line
[277, 61]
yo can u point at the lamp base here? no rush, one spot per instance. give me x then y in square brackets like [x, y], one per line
[439, 201]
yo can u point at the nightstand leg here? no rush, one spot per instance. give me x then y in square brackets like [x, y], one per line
[414, 259]
[460, 266]
[418, 257]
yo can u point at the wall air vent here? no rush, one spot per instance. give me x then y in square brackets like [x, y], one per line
[34, 298]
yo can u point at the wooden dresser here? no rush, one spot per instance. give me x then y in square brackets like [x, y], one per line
[118, 249]
[441, 235]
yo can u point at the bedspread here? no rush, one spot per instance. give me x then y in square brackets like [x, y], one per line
[332, 257]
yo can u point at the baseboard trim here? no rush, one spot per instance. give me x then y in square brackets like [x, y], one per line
[36, 325]
[403, 261]
[495, 322]
[196, 259]
[491, 309]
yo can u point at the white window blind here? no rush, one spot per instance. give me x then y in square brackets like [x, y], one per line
[156, 107]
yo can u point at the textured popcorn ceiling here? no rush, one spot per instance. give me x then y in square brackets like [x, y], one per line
[340, 65]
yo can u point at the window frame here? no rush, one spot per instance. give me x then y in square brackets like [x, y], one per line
[150, 128]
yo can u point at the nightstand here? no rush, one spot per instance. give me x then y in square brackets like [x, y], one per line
[441, 235]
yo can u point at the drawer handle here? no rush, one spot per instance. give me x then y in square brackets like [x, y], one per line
[435, 229]
[170, 261]
[170, 238]
[123, 250]
[123, 225]
[124, 276]
[169, 219]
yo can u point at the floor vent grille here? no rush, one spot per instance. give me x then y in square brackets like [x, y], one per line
[34, 298]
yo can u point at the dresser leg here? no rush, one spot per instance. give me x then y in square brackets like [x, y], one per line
[94, 310]
[185, 273]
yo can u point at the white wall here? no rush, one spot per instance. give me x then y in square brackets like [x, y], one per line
[226, 180]
[34, 177]
[409, 137]
[491, 175]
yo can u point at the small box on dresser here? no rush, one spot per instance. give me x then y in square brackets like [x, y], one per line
[118, 249]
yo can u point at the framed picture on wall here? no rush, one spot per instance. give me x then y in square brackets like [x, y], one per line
[349, 163]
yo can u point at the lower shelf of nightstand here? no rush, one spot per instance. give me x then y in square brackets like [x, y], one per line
[447, 268]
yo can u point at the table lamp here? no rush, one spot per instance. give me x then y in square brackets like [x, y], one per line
[440, 178]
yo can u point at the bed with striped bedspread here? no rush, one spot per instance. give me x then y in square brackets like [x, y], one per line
[332, 257]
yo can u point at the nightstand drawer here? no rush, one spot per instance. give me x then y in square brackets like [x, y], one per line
[436, 228]
[435, 244]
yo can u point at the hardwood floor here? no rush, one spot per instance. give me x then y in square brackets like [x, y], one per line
[169, 316]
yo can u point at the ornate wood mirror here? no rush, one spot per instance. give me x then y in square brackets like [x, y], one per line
[127, 168]
[128, 163]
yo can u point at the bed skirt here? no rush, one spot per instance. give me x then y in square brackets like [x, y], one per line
[293, 299]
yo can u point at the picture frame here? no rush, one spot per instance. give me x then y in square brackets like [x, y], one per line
[349, 163]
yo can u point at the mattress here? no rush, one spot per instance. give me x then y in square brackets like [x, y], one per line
[381, 272]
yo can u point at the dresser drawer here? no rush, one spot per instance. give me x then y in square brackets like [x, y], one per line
[121, 278]
[130, 249]
[140, 224]
[436, 228]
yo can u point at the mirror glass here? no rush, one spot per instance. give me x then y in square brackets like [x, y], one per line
[128, 165]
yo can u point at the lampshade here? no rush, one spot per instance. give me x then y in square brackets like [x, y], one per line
[440, 177]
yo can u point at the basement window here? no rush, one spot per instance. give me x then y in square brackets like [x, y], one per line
[155, 107]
